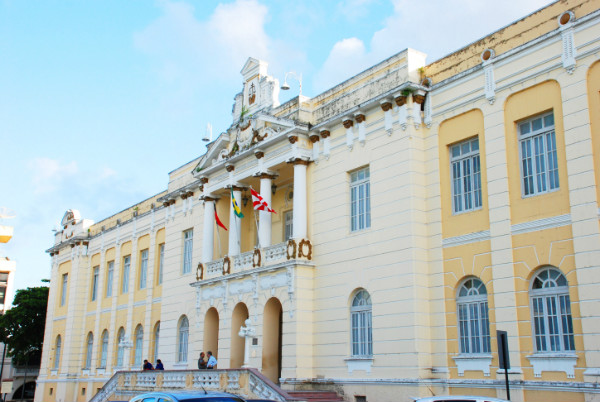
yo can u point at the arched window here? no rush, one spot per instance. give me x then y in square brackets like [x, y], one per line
[182, 340]
[551, 311]
[473, 321]
[156, 338]
[88, 350]
[120, 347]
[57, 353]
[104, 349]
[139, 342]
[362, 330]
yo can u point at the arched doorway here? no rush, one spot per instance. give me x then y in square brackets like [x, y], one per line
[240, 314]
[211, 332]
[28, 394]
[272, 326]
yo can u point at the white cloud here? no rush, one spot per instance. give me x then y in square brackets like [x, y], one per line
[49, 174]
[435, 27]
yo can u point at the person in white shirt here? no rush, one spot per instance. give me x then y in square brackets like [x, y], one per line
[212, 362]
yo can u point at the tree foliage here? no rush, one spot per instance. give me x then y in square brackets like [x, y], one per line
[22, 327]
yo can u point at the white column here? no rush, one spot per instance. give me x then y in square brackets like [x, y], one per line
[208, 237]
[264, 230]
[235, 224]
[300, 210]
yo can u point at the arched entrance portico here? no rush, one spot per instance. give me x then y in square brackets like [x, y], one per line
[272, 330]
[240, 314]
[211, 332]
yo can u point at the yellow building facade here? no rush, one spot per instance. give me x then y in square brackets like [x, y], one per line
[418, 208]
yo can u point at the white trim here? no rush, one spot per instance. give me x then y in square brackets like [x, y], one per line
[359, 363]
[466, 239]
[564, 362]
[542, 224]
[473, 362]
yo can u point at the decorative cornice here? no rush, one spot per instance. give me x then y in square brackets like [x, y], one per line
[314, 137]
[541, 224]
[386, 105]
[324, 133]
[360, 117]
[229, 167]
[259, 153]
[466, 239]
[292, 138]
[347, 122]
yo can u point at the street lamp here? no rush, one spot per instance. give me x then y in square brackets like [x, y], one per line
[298, 78]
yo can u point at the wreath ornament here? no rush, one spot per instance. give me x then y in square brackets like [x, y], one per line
[291, 249]
[256, 258]
[305, 245]
[226, 265]
[199, 272]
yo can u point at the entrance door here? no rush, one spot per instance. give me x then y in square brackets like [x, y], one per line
[272, 331]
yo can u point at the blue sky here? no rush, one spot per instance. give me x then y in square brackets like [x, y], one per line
[99, 100]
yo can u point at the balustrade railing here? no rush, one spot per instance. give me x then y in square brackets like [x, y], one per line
[259, 257]
[248, 383]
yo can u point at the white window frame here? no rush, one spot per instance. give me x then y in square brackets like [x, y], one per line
[552, 331]
[472, 315]
[143, 269]
[95, 277]
[109, 278]
[360, 199]
[63, 292]
[465, 176]
[57, 350]
[126, 271]
[121, 347]
[182, 339]
[288, 225]
[161, 262]
[139, 345]
[89, 349]
[361, 325]
[104, 350]
[539, 169]
[188, 248]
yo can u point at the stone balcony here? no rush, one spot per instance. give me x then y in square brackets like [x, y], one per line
[264, 257]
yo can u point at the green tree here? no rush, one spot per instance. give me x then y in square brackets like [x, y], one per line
[22, 327]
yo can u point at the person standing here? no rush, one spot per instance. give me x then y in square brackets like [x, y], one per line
[201, 362]
[159, 365]
[212, 362]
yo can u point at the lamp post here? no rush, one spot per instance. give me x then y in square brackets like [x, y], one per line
[298, 78]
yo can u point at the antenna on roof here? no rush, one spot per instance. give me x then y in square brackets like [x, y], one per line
[208, 136]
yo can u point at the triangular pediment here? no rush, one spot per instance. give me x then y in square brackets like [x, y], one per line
[254, 67]
[212, 153]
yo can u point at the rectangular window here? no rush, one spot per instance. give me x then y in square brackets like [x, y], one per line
[539, 164]
[360, 200]
[126, 266]
[188, 238]
[161, 262]
[3, 286]
[143, 268]
[95, 276]
[109, 278]
[466, 176]
[63, 291]
[289, 225]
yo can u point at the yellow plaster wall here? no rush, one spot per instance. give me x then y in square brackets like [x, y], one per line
[528, 103]
[465, 126]
[532, 251]
[593, 81]
[460, 263]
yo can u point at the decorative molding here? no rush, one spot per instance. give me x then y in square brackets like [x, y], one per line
[466, 239]
[348, 123]
[240, 287]
[541, 224]
[359, 363]
[213, 292]
[360, 119]
[387, 107]
[473, 362]
[565, 23]
[561, 362]
[273, 281]
[487, 57]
